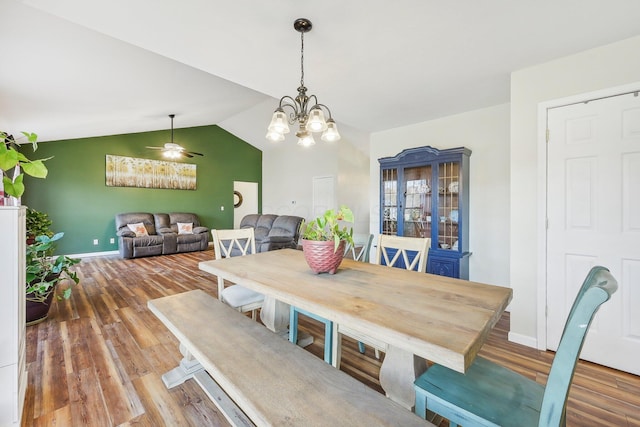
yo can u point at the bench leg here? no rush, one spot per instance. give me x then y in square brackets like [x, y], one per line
[187, 368]
[398, 372]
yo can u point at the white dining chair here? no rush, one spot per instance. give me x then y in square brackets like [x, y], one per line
[228, 243]
[393, 251]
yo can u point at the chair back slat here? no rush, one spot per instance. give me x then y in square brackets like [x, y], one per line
[391, 249]
[363, 242]
[597, 288]
[224, 241]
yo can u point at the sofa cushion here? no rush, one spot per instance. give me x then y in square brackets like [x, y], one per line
[184, 217]
[185, 227]
[250, 221]
[162, 222]
[122, 219]
[263, 226]
[200, 230]
[286, 225]
[138, 229]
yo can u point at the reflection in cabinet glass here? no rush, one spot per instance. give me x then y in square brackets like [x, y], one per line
[424, 192]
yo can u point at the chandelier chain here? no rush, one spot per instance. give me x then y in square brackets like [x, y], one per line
[302, 59]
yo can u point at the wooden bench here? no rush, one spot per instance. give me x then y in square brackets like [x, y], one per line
[272, 381]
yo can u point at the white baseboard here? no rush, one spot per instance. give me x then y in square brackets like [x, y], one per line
[90, 254]
[523, 339]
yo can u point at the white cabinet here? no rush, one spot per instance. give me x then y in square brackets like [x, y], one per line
[13, 374]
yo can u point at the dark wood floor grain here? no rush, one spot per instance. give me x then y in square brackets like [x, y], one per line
[98, 358]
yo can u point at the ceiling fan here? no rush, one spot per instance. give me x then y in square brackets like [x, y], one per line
[172, 150]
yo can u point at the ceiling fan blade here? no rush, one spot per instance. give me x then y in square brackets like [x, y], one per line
[193, 152]
[156, 148]
[185, 154]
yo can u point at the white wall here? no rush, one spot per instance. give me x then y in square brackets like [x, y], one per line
[596, 69]
[288, 169]
[486, 133]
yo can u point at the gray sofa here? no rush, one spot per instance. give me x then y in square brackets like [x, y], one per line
[273, 231]
[162, 236]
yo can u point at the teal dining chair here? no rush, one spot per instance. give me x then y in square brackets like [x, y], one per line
[491, 395]
[359, 251]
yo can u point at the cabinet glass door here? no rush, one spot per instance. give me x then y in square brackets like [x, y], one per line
[417, 202]
[448, 205]
[390, 201]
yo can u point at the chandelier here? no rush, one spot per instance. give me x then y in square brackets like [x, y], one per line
[305, 110]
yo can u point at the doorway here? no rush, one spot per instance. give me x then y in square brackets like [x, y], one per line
[593, 218]
[323, 195]
[245, 200]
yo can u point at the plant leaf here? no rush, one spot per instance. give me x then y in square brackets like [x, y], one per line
[14, 188]
[32, 138]
[35, 168]
[8, 158]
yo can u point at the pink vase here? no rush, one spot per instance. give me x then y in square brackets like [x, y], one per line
[321, 256]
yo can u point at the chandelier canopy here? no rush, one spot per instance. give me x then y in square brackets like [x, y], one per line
[305, 110]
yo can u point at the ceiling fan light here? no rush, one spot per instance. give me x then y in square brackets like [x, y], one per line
[173, 153]
[274, 136]
[316, 122]
[331, 134]
[279, 122]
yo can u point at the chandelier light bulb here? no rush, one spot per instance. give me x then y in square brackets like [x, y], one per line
[331, 133]
[279, 122]
[274, 136]
[316, 121]
[305, 138]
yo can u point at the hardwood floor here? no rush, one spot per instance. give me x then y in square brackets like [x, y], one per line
[98, 358]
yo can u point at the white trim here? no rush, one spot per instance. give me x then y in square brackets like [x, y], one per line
[91, 254]
[541, 279]
[542, 202]
[523, 339]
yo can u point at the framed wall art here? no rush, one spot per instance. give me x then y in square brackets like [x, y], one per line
[144, 173]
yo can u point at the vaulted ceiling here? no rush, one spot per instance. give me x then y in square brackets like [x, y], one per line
[77, 68]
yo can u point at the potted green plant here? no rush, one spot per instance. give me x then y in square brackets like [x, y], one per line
[37, 223]
[324, 240]
[14, 164]
[45, 274]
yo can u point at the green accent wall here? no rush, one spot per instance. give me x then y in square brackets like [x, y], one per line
[79, 203]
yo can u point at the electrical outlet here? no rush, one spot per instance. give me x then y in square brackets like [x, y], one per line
[95, 241]
[221, 208]
[112, 240]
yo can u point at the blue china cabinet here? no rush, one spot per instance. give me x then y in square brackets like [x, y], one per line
[424, 192]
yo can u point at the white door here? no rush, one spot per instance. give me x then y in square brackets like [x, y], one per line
[594, 219]
[245, 200]
[323, 194]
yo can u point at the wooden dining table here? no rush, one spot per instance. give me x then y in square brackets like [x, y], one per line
[420, 316]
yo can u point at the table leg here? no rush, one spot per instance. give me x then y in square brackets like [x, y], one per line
[399, 370]
[275, 315]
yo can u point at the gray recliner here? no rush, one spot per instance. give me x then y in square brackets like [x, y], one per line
[131, 246]
[273, 231]
[174, 242]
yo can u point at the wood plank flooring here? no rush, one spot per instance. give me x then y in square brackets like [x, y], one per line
[98, 358]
